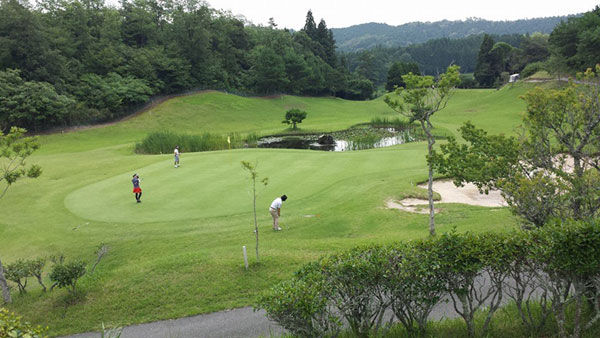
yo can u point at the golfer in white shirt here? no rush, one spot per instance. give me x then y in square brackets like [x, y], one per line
[176, 153]
[275, 211]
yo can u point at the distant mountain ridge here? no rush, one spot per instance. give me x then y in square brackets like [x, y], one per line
[369, 35]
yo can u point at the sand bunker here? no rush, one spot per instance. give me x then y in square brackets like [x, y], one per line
[450, 194]
[469, 193]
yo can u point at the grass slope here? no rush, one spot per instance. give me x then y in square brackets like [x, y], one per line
[221, 113]
[179, 252]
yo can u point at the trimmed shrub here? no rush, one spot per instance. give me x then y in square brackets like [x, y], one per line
[35, 270]
[553, 269]
[469, 260]
[301, 305]
[66, 275]
[524, 283]
[356, 278]
[568, 258]
[415, 279]
[18, 272]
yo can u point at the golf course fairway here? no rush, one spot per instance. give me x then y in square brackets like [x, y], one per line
[179, 252]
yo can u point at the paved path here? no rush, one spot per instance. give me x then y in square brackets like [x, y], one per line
[236, 323]
[243, 322]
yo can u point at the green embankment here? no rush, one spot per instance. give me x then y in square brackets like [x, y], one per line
[179, 252]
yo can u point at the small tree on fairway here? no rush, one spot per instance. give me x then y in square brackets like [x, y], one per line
[254, 176]
[294, 116]
[421, 98]
[14, 149]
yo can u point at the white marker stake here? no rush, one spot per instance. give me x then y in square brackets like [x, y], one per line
[245, 257]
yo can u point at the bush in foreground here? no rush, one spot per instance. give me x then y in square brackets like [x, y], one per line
[13, 326]
[555, 270]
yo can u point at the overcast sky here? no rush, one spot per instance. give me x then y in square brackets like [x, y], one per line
[337, 14]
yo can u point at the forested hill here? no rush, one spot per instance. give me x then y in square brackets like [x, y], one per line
[369, 35]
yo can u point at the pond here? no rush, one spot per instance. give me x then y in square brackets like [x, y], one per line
[347, 140]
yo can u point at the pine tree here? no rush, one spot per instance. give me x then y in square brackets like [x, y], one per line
[484, 71]
[310, 27]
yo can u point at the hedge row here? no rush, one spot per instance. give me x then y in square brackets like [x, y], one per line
[557, 267]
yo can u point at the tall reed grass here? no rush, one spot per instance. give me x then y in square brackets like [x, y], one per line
[364, 141]
[165, 142]
[396, 123]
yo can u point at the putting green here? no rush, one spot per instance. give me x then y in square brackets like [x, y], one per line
[213, 184]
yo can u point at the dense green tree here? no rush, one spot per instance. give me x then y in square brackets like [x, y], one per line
[397, 70]
[320, 40]
[268, 73]
[359, 89]
[230, 41]
[30, 104]
[367, 65]
[577, 41]
[297, 71]
[325, 39]
[535, 48]
[140, 22]
[172, 71]
[485, 72]
[337, 80]
[112, 91]
[310, 27]
[157, 47]
[316, 82]
[432, 57]
[192, 36]
[23, 45]
[500, 56]
[107, 60]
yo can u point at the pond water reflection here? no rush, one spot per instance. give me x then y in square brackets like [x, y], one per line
[365, 138]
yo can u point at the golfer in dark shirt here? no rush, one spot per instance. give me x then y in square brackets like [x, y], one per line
[136, 188]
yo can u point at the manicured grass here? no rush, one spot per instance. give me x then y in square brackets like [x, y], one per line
[217, 112]
[179, 252]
